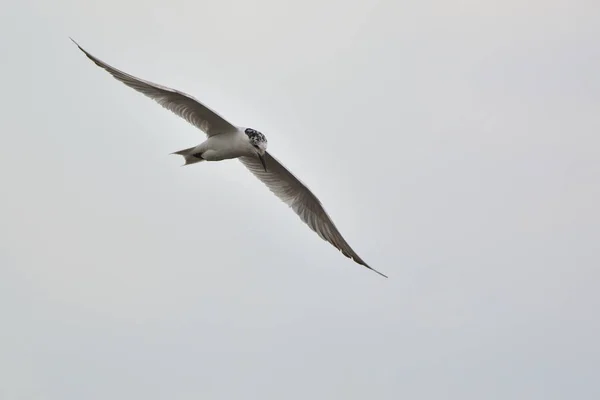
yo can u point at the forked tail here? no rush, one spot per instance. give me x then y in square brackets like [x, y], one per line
[188, 155]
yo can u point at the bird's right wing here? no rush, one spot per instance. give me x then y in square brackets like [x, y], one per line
[178, 102]
[295, 194]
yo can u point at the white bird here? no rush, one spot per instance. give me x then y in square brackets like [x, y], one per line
[227, 141]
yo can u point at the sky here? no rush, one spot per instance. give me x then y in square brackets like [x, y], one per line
[454, 143]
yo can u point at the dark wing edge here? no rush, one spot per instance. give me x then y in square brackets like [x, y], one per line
[305, 204]
[180, 103]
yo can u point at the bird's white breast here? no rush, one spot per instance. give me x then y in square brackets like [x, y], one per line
[226, 146]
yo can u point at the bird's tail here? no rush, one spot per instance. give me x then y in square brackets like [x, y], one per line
[188, 155]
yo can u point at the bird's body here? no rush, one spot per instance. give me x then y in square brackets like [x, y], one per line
[228, 141]
[226, 146]
[223, 146]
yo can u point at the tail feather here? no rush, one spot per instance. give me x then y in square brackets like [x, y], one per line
[188, 155]
[184, 151]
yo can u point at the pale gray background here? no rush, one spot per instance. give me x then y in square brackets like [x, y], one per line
[455, 144]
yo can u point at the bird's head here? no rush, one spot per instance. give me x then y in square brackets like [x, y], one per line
[259, 142]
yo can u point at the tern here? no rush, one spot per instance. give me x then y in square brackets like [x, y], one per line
[227, 141]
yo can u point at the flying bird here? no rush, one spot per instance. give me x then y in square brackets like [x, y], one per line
[227, 141]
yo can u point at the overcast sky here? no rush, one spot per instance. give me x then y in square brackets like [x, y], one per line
[454, 143]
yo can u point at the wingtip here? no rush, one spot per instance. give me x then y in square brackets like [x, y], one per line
[364, 264]
[374, 270]
[81, 48]
[385, 276]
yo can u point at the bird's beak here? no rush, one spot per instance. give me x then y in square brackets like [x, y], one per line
[263, 162]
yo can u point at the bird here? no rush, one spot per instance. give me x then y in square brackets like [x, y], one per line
[227, 141]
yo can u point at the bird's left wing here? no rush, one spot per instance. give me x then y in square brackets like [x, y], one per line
[304, 203]
[178, 102]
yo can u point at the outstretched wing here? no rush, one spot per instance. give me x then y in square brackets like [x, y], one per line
[178, 102]
[304, 203]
